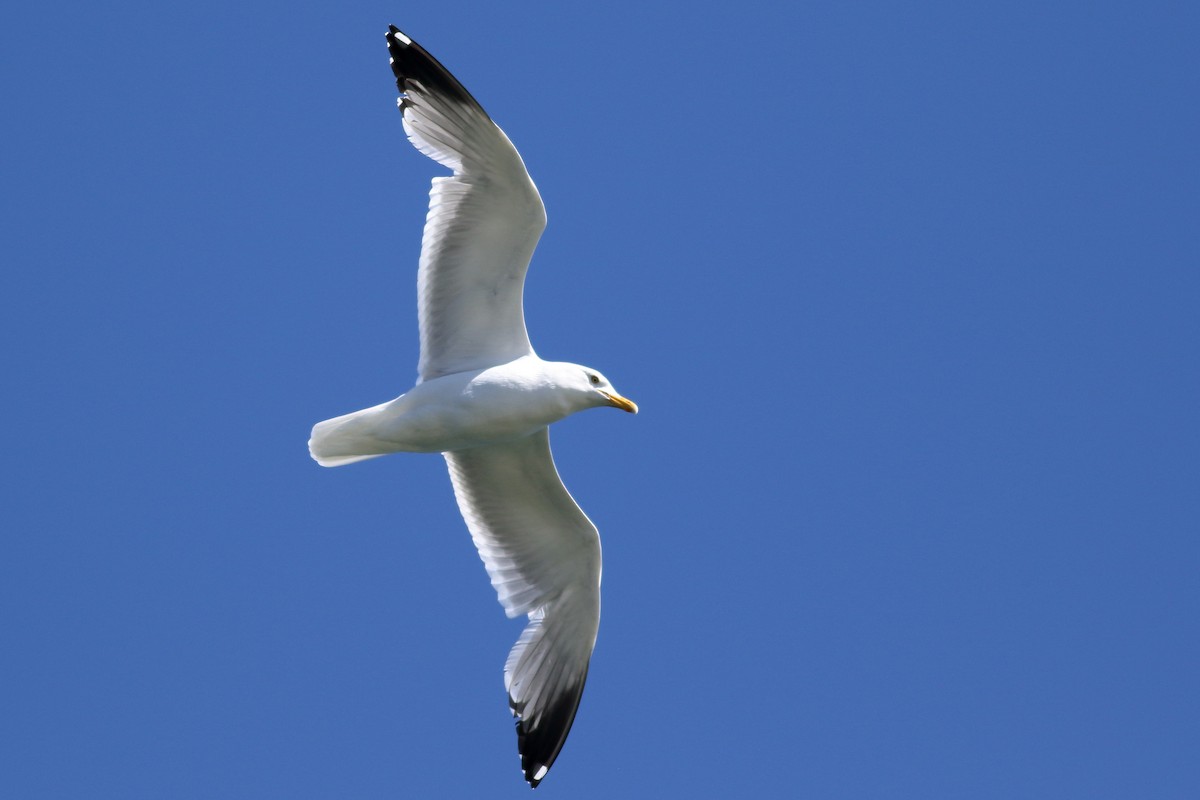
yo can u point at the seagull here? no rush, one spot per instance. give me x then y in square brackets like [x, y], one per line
[483, 399]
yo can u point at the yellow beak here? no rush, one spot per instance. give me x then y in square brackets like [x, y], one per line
[625, 404]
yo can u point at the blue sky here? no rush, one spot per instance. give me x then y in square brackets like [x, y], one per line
[907, 293]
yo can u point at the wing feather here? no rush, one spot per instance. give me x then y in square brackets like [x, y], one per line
[483, 223]
[542, 554]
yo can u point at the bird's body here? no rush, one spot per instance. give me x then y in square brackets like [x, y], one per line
[459, 411]
[484, 400]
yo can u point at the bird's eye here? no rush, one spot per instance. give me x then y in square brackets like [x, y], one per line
[595, 379]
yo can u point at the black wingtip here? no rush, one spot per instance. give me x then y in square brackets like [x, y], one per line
[411, 62]
[540, 744]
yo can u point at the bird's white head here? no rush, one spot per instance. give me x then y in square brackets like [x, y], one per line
[595, 388]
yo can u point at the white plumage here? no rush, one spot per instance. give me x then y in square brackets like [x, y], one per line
[484, 399]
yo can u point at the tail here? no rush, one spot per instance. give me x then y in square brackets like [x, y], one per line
[346, 439]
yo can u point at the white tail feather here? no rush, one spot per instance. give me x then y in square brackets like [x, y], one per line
[346, 439]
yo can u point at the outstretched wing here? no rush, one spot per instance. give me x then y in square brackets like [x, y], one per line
[483, 224]
[543, 556]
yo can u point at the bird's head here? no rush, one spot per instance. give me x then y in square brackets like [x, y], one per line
[596, 389]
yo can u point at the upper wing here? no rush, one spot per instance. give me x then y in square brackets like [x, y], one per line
[483, 222]
[543, 556]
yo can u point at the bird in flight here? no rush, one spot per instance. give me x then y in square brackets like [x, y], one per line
[483, 399]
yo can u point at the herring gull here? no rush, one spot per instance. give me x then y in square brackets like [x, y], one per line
[484, 400]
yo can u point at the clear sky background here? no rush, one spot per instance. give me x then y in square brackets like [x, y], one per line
[909, 295]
